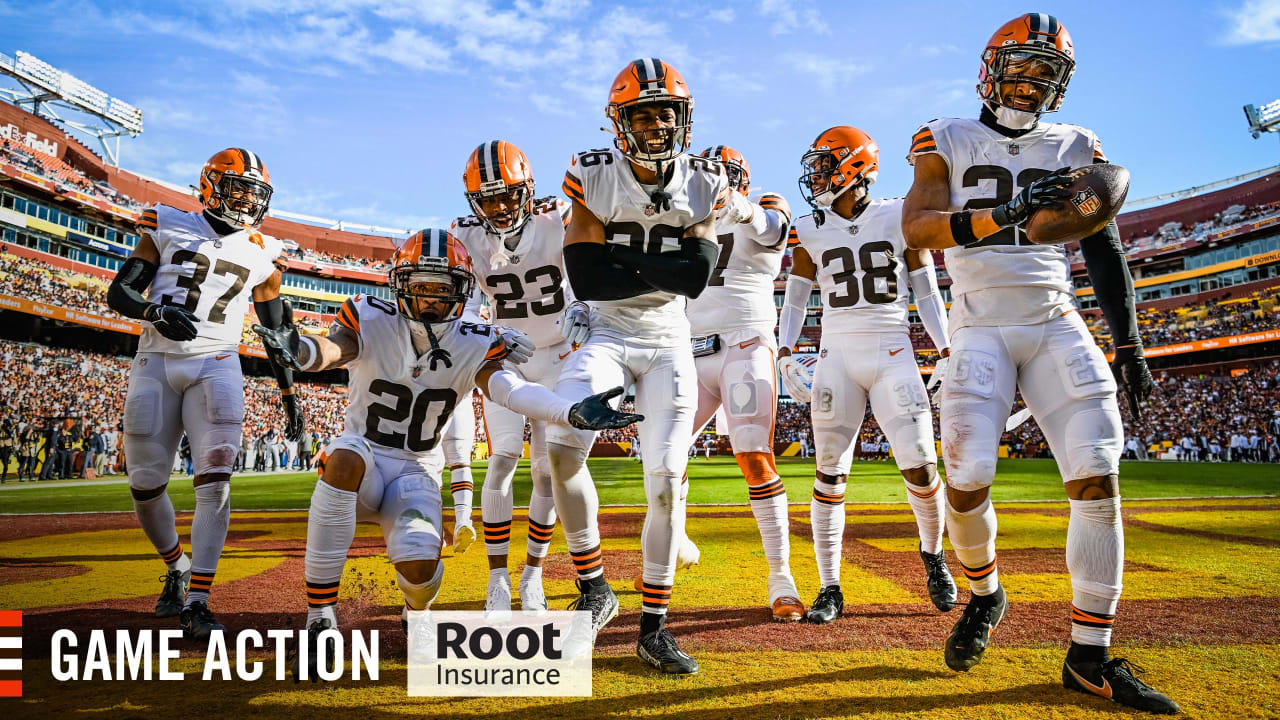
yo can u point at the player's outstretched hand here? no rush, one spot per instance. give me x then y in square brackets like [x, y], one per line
[295, 421]
[594, 413]
[516, 348]
[1133, 377]
[1048, 191]
[575, 326]
[176, 323]
[281, 344]
[935, 380]
[796, 378]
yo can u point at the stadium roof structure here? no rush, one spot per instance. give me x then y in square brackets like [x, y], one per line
[46, 90]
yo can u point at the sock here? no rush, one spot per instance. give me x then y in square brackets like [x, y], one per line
[542, 523]
[462, 489]
[928, 504]
[826, 517]
[577, 505]
[973, 535]
[496, 504]
[1087, 653]
[208, 535]
[1095, 559]
[588, 563]
[331, 526]
[416, 597]
[651, 622]
[530, 574]
[769, 506]
[155, 515]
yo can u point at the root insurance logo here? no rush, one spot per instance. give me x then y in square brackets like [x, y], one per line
[510, 654]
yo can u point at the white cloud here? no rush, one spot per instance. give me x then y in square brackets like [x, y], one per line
[1257, 21]
[724, 15]
[784, 18]
[823, 70]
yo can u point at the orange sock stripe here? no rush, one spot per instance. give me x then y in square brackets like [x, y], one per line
[589, 560]
[173, 554]
[200, 582]
[979, 573]
[928, 494]
[461, 485]
[766, 491]
[540, 533]
[1084, 617]
[826, 498]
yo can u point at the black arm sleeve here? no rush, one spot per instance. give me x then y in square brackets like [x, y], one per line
[271, 313]
[594, 276]
[125, 294]
[1112, 284]
[684, 271]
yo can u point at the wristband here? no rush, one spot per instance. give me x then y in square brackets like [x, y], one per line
[962, 228]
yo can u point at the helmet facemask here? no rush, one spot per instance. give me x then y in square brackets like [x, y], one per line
[240, 199]
[634, 143]
[1025, 81]
[508, 222]
[738, 178]
[426, 281]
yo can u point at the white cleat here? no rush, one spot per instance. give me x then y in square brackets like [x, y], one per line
[497, 602]
[687, 555]
[532, 598]
[463, 536]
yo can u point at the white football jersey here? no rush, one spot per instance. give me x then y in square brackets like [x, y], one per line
[862, 274]
[213, 276]
[602, 181]
[986, 170]
[740, 292]
[397, 401]
[531, 292]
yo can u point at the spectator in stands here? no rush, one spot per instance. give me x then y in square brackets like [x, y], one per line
[304, 450]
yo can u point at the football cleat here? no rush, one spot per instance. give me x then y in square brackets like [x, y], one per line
[942, 589]
[1115, 680]
[602, 605]
[463, 536]
[197, 622]
[497, 601]
[660, 650]
[827, 607]
[972, 632]
[174, 594]
[312, 670]
[532, 598]
[787, 609]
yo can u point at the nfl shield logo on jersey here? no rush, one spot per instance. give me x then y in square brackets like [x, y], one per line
[1014, 149]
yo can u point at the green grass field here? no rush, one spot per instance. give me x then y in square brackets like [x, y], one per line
[715, 481]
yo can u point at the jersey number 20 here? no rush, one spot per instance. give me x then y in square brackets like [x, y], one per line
[405, 406]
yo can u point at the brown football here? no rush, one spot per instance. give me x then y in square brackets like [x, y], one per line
[1097, 193]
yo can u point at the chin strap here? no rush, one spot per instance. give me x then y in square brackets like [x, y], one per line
[660, 198]
[437, 354]
[819, 217]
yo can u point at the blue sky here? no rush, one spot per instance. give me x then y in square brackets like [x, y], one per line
[366, 111]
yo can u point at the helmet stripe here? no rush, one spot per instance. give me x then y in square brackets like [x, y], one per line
[1053, 25]
[495, 165]
[254, 163]
[244, 158]
[649, 77]
[718, 153]
[442, 244]
[482, 163]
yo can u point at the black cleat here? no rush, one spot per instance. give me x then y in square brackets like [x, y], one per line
[602, 605]
[174, 594]
[942, 589]
[827, 607]
[659, 649]
[312, 670]
[197, 622]
[971, 633]
[1114, 680]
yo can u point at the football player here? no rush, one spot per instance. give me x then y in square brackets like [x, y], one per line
[852, 245]
[640, 241]
[190, 279]
[457, 444]
[516, 243]
[733, 348]
[1015, 326]
[410, 363]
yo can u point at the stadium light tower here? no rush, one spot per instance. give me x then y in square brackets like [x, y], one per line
[1263, 119]
[46, 90]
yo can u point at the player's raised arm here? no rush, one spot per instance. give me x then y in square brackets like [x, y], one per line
[1104, 260]
[592, 272]
[799, 285]
[275, 316]
[927, 223]
[534, 401]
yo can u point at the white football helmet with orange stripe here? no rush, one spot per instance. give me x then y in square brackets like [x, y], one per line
[431, 276]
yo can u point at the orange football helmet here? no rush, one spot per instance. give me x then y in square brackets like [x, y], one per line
[498, 175]
[840, 159]
[650, 81]
[1034, 51]
[431, 256]
[735, 166]
[235, 187]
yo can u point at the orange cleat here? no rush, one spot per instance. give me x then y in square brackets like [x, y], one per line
[787, 609]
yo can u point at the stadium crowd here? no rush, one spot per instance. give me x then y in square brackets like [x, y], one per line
[65, 177]
[1174, 234]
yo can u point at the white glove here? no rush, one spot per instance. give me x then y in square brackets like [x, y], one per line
[519, 347]
[796, 378]
[935, 380]
[738, 209]
[575, 325]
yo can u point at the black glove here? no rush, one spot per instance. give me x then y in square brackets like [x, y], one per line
[176, 323]
[281, 343]
[1048, 191]
[295, 421]
[1133, 377]
[594, 413]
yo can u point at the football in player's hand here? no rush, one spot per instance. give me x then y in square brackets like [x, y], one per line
[1096, 194]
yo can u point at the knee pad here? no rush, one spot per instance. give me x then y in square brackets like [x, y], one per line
[664, 491]
[223, 401]
[421, 595]
[1094, 440]
[410, 518]
[541, 471]
[969, 448]
[142, 407]
[565, 460]
[371, 485]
